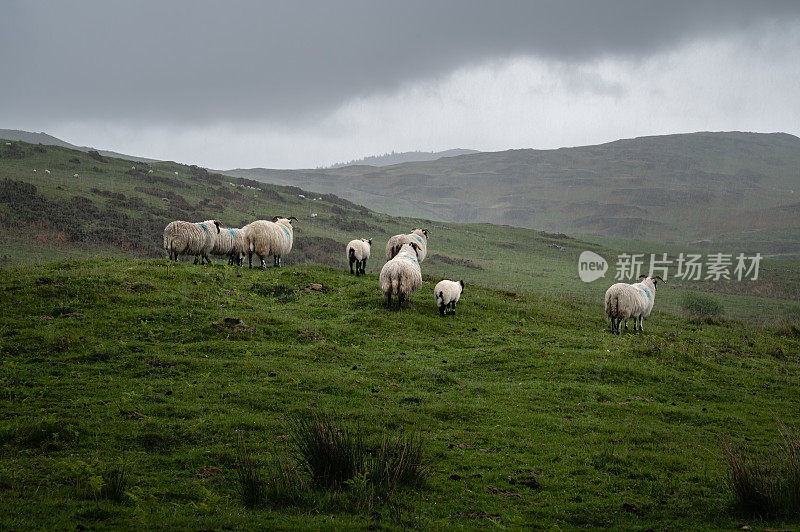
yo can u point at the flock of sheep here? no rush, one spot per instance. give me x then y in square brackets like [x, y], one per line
[401, 276]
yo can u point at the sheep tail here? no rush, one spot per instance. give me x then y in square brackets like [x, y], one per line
[395, 285]
[352, 254]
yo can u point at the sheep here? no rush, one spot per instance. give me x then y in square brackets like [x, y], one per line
[401, 276]
[358, 253]
[417, 235]
[149, 171]
[187, 238]
[46, 171]
[266, 238]
[74, 175]
[230, 243]
[446, 294]
[176, 173]
[625, 301]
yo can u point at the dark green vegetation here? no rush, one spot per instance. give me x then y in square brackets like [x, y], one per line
[733, 190]
[119, 207]
[124, 376]
[700, 306]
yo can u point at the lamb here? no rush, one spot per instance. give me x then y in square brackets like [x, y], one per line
[266, 238]
[187, 238]
[401, 276]
[358, 253]
[46, 171]
[230, 243]
[447, 293]
[625, 301]
[417, 235]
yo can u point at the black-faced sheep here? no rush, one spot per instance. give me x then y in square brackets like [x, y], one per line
[625, 301]
[446, 294]
[401, 276]
[358, 253]
[187, 238]
[265, 238]
[417, 235]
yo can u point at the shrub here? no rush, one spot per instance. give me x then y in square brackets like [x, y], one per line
[701, 306]
[331, 454]
[766, 486]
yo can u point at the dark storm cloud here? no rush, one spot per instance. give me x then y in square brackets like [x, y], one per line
[193, 62]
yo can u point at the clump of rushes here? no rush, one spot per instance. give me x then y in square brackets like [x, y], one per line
[398, 462]
[332, 454]
[251, 483]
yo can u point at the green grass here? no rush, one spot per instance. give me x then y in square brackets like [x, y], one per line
[144, 371]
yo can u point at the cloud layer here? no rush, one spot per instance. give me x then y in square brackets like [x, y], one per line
[305, 84]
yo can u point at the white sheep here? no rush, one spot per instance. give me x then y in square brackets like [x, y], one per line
[149, 171]
[176, 173]
[74, 175]
[625, 301]
[401, 276]
[230, 243]
[446, 293]
[187, 238]
[417, 235]
[34, 170]
[266, 238]
[358, 253]
[46, 171]
[313, 215]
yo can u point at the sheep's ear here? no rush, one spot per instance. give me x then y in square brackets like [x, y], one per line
[461, 282]
[643, 275]
[275, 218]
[426, 232]
[369, 241]
[293, 218]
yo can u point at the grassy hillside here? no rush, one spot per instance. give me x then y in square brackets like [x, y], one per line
[49, 140]
[732, 189]
[116, 207]
[113, 365]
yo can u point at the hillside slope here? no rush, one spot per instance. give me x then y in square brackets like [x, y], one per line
[49, 140]
[404, 157]
[116, 207]
[730, 189]
[108, 362]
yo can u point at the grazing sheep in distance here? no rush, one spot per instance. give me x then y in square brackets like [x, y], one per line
[358, 253]
[401, 276]
[625, 301]
[417, 235]
[187, 238]
[46, 171]
[74, 175]
[230, 243]
[176, 173]
[266, 238]
[446, 294]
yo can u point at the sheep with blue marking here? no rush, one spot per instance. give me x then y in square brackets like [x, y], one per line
[417, 235]
[401, 276]
[230, 243]
[358, 253]
[187, 238]
[631, 301]
[265, 238]
[446, 293]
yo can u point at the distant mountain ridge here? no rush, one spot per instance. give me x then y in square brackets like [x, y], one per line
[727, 188]
[388, 159]
[49, 140]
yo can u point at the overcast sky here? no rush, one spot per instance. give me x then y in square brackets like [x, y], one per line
[302, 84]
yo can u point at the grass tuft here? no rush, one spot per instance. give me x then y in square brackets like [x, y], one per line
[398, 462]
[331, 453]
[766, 486]
[251, 483]
[701, 307]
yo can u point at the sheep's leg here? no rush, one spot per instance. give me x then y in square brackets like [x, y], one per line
[352, 260]
[442, 309]
[641, 323]
[626, 324]
[364, 267]
[453, 312]
[636, 324]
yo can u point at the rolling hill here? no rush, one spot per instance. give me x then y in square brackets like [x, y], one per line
[721, 189]
[49, 140]
[404, 157]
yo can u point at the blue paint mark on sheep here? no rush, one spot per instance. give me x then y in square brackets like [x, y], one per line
[204, 227]
[418, 238]
[232, 232]
[645, 291]
[285, 230]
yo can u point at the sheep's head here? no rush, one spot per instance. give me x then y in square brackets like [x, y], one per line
[426, 232]
[654, 279]
[283, 219]
[461, 282]
[216, 223]
[415, 247]
[367, 240]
